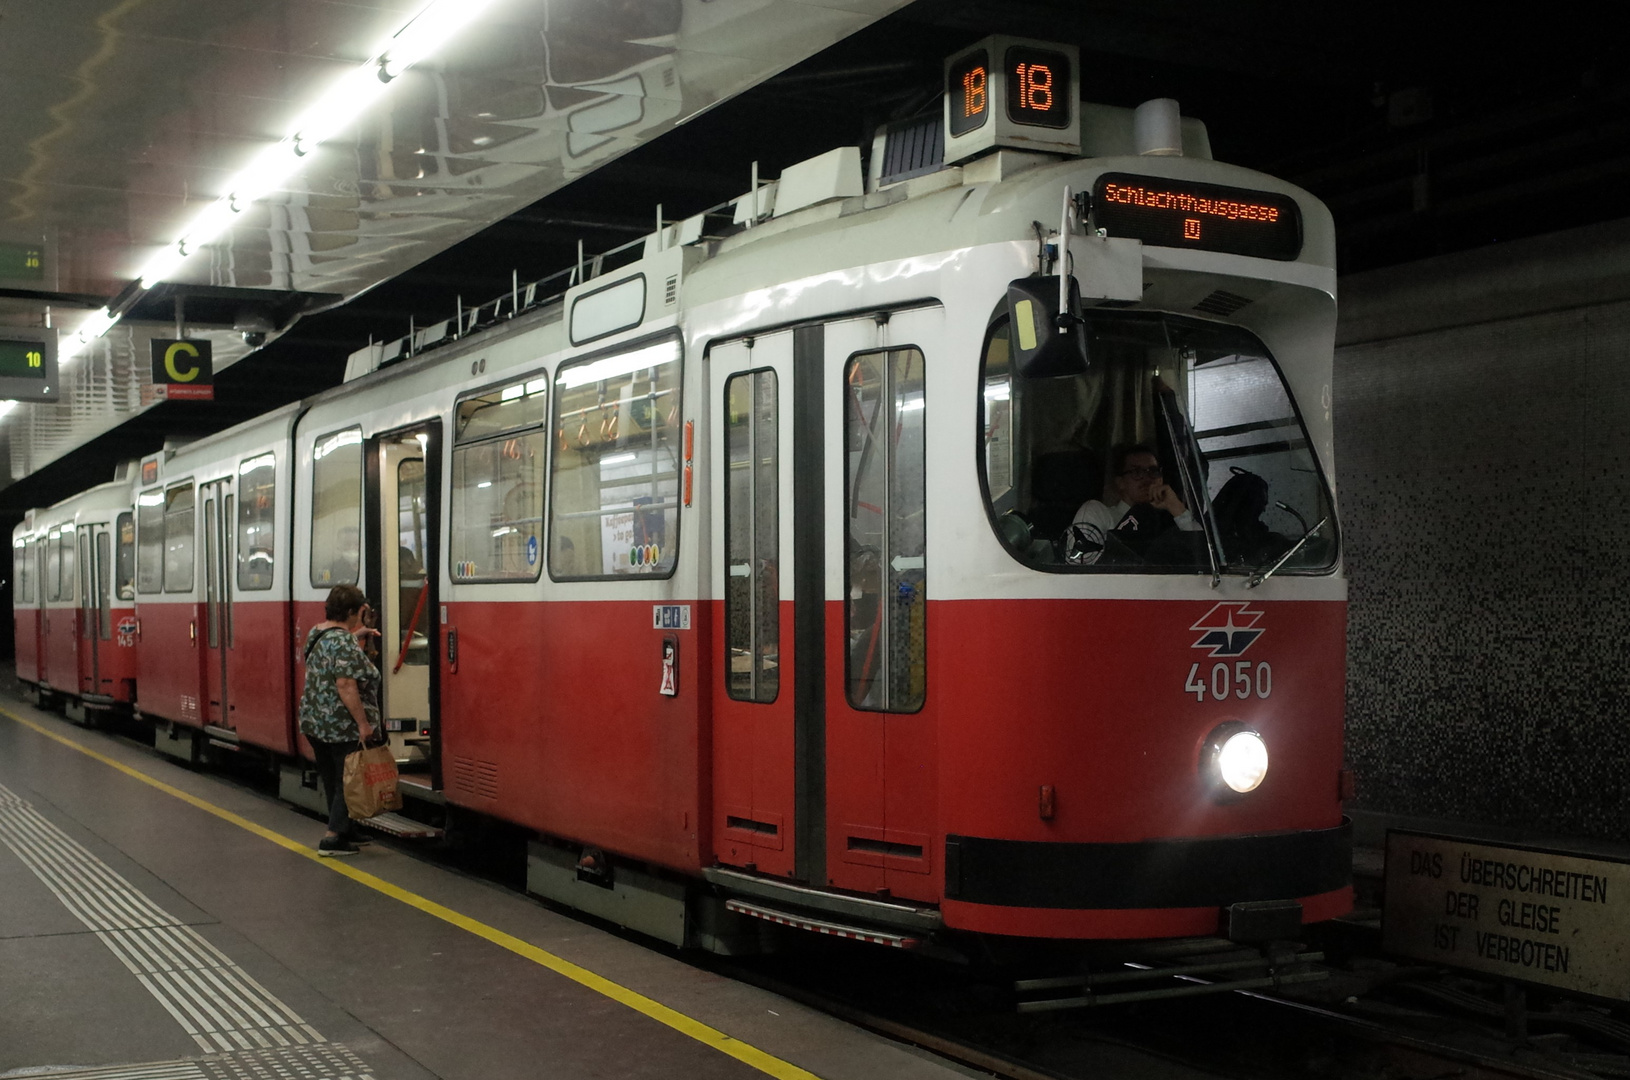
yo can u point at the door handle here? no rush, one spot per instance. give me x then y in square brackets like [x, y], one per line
[452, 649]
[192, 630]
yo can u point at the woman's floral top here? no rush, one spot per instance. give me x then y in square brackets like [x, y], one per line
[334, 654]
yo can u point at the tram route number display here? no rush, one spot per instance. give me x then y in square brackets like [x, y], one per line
[1526, 914]
[1209, 217]
[1241, 680]
[1037, 83]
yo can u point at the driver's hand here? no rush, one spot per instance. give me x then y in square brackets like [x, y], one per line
[1164, 498]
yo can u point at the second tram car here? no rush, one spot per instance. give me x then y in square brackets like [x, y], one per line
[947, 552]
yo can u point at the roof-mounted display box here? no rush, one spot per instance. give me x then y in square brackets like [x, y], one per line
[1012, 92]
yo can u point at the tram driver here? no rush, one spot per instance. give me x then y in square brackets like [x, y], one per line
[1145, 506]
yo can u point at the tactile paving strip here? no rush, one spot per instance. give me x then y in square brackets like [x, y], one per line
[329, 1061]
[214, 1000]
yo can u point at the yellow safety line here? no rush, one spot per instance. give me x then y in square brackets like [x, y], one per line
[662, 1014]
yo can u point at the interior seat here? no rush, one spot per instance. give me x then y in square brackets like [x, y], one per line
[1060, 482]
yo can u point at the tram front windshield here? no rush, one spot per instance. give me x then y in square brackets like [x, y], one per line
[1179, 450]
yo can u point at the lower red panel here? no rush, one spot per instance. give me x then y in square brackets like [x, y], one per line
[116, 657]
[27, 627]
[169, 674]
[260, 699]
[1136, 923]
[553, 719]
[61, 640]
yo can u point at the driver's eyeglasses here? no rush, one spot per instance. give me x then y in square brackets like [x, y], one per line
[1144, 472]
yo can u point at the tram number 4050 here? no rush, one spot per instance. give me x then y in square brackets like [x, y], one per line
[1240, 681]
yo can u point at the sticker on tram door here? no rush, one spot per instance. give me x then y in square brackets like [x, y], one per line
[670, 617]
[1226, 631]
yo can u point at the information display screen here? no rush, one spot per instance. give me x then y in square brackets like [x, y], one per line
[967, 90]
[22, 360]
[1210, 217]
[22, 262]
[1038, 87]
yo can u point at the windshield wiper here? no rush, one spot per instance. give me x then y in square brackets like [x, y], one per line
[1263, 575]
[1186, 454]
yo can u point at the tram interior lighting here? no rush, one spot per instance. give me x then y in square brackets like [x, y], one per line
[346, 100]
[613, 366]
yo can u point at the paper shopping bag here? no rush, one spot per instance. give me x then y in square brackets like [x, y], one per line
[370, 782]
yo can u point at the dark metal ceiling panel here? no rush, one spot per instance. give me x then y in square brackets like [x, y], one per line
[128, 118]
[131, 117]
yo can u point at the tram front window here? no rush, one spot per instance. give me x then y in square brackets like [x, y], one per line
[1179, 451]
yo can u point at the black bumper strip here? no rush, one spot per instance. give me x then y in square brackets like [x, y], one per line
[1211, 871]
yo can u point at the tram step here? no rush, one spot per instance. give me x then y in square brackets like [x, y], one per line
[398, 825]
[823, 926]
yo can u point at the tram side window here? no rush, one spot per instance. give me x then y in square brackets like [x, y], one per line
[53, 568]
[497, 489]
[336, 509]
[752, 538]
[125, 578]
[150, 542]
[178, 539]
[23, 562]
[104, 582]
[257, 538]
[65, 564]
[884, 505]
[614, 501]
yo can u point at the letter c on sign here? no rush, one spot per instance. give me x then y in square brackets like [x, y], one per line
[170, 366]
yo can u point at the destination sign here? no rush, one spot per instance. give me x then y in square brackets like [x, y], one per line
[1526, 914]
[1209, 217]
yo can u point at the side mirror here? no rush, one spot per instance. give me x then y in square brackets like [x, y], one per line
[1046, 343]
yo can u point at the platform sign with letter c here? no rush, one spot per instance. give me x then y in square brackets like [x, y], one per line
[183, 369]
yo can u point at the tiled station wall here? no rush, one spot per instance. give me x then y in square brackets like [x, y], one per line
[1483, 462]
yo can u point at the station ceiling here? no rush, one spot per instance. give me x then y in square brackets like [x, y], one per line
[1426, 130]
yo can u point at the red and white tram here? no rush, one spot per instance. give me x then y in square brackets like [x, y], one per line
[759, 571]
[74, 604]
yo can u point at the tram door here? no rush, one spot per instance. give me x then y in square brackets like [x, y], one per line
[880, 777]
[95, 604]
[756, 710]
[218, 636]
[404, 494]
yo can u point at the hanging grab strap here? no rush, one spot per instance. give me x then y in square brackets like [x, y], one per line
[407, 633]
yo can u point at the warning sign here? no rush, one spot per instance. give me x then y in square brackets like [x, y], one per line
[1519, 913]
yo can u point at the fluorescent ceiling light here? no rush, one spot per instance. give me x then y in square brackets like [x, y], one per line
[333, 112]
[74, 345]
[624, 364]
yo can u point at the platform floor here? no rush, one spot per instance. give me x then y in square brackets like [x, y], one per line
[158, 923]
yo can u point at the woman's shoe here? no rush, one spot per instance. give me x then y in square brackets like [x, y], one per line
[330, 846]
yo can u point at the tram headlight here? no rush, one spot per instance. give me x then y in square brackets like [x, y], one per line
[1237, 758]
